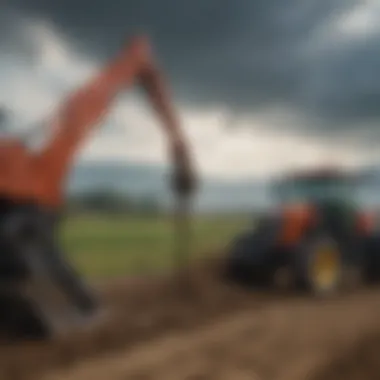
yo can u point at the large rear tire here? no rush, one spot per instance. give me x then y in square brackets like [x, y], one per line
[372, 259]
[249, 261]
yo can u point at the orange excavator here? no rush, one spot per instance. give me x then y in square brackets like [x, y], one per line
[40, 294]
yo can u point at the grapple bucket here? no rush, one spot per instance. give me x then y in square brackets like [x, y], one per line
[41, 296]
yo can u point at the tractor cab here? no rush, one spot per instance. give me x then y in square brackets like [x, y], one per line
[333, 194]
[315, 186]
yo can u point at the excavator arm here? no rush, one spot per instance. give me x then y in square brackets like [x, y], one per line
[85, 109]
[38, 285]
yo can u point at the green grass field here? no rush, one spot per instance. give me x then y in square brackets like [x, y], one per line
[110, 246]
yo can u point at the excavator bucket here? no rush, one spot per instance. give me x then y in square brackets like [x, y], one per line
[41, 296]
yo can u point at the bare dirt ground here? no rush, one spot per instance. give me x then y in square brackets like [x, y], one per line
[155, 331]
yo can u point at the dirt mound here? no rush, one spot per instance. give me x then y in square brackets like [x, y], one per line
[285, 340]
[140, 309]
[162, 328]
[355, 363]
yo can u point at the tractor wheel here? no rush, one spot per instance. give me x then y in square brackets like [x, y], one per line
[318, 266]
[247, 261]
[372, 259]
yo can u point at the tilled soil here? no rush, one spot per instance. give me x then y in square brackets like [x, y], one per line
[158, 330]
[355, 362]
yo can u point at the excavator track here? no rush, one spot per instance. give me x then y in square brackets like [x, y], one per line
[40, 294]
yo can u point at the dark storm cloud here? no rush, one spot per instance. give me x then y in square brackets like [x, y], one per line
[248, 54]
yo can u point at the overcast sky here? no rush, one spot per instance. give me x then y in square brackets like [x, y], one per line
[261, 85]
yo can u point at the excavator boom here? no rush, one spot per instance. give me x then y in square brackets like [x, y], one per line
[39, 177]
[37, 284]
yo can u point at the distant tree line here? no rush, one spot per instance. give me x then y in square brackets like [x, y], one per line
[111, 201]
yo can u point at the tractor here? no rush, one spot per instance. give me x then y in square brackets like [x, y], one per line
[41, 295]
[318, 239]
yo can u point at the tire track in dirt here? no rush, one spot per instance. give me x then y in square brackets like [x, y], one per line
[287, 340]
[157, 330]
[141, 309]
[357, 362]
